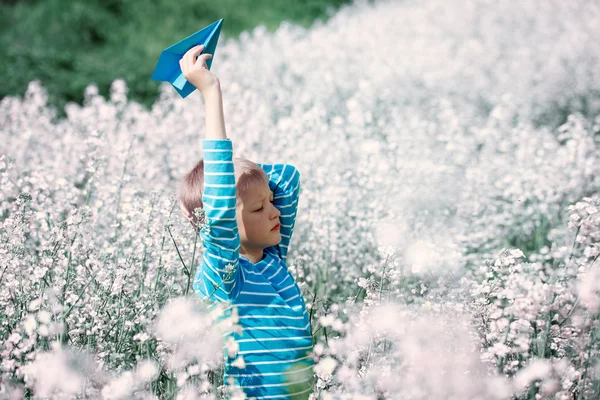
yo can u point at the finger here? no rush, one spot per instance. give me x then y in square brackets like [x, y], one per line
[190, 56]
[199, 49]
[185, 60]
[196, 49]
[201, 61]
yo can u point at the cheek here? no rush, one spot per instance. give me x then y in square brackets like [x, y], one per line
[240, 223]
[249, 224]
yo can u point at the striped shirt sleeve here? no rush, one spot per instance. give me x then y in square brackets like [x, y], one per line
[220, 276]
[284, 181]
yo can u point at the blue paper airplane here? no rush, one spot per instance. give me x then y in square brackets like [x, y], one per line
[167, 68]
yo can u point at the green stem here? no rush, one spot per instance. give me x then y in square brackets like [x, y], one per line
[187, 288]
[158, 270]
[66, 314]
[357, 294]
[144, 269]
[501, 362]
[542, 347]
[382, 275]
[162, 246]
[220, 284]
[185, 270]
[64, 290]
[577, 299]
[587, 364]
[121, 186]
[573, 247]
[312, 309]
[119, 317]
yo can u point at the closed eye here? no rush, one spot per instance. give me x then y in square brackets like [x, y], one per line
[272, 201]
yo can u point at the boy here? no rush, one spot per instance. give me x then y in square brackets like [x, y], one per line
[250, 216]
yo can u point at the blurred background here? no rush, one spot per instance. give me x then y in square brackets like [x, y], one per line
[69, 44]
[450, 160]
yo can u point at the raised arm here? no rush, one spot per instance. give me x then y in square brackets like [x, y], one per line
[219, 277]
[284, 181]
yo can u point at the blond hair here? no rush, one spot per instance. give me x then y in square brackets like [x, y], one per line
[189, 190]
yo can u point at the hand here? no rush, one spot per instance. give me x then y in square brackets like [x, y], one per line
[196, 71]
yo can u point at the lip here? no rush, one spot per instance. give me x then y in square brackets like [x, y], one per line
[276, 227]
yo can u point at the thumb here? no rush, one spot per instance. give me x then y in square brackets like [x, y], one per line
[202, 58]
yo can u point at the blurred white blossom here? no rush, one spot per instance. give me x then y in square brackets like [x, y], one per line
[447, 234]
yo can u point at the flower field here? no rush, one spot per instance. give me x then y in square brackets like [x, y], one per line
[448, 228]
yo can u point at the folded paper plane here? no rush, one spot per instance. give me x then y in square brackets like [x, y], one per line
[167, 68]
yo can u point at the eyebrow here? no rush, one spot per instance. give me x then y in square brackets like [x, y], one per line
[257, 203]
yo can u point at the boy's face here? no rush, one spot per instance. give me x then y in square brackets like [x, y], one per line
[256, 216]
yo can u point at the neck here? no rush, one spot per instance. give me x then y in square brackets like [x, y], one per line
[253, 256]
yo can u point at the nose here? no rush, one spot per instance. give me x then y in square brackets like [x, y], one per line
[277, 212]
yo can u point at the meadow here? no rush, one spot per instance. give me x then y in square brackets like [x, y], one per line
[448, 228]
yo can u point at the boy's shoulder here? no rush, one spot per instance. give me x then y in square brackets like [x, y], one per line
[274, 251]
[270, 253]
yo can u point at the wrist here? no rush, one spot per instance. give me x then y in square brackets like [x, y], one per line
[212, 91]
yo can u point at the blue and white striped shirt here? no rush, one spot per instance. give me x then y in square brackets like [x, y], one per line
[276, 340]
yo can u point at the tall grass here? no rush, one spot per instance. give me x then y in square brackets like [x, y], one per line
[448, 229]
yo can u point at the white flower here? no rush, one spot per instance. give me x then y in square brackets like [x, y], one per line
[119, 388]
[326, 320]
[325, 368]
[232, 347]
[229, 268]
[43, 330]
[337, 325]
[35, 304]
[39, 272]
[516, 253]
[239, 363]
[193, 369]
[142, 337]
[44, 317]
[147, 370]
[318, 349]
[536, 370]
[15, 338]
[181, 378]
[53, 373]
[30, 324]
